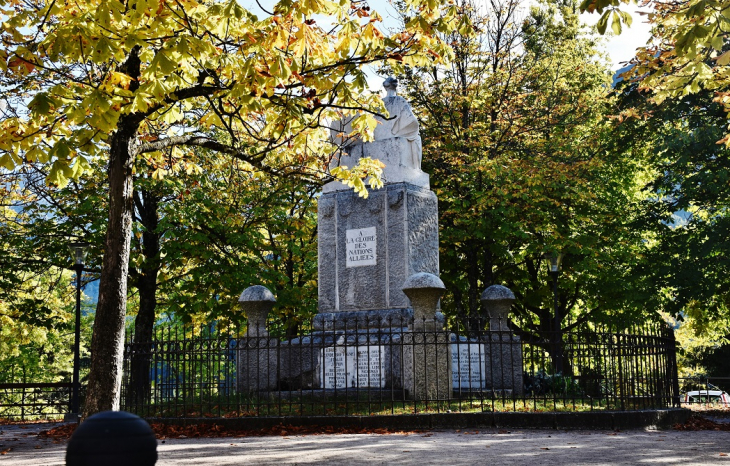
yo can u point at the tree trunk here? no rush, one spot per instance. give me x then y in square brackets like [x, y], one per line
[473, 292]
[107, 342]
[146, 283]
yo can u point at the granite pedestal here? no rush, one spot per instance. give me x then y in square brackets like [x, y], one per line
[369, 247]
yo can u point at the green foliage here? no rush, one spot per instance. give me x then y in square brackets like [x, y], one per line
[234, 227]
[700, 348]
[221, 228]
[686, 218]
[558, 385]
[687, 52]
[36, 341]
[520, 151]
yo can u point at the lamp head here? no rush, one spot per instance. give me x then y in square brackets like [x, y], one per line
[554, 259]
[78, 251]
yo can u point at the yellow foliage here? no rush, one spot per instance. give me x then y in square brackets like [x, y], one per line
[93, 65]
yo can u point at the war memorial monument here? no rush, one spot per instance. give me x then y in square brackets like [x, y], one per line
[378, 325]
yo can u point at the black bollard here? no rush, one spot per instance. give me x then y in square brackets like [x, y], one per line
[112, 438]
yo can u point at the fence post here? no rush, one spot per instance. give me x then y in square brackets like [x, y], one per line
[621, 386]
[673, 370]
[429, 378]
[506, 361]
[257, 358]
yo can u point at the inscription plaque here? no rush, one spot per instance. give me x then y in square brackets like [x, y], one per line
[360, 248]
[468, 363]
[361, 366]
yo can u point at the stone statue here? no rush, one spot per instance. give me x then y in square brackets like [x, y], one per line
[400, 123]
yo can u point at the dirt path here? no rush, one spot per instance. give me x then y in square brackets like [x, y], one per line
[453, 447]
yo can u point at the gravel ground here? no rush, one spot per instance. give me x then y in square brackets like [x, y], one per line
[454, 447]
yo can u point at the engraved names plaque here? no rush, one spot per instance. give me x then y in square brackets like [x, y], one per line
[360, 247]
[468, 364]
[361, 367]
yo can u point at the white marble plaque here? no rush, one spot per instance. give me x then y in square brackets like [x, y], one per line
[360, 247]
[353, 367]
[334, 366]
[468, 363]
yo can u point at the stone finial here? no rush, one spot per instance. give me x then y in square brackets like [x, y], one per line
[424, 290]
[256, 302]
[498, 300]
[497, 292]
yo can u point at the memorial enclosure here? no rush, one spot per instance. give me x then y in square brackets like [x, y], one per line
[379, 344]
[268, 236]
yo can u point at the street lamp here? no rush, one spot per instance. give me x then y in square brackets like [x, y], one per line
[78, 251]
[553, 261]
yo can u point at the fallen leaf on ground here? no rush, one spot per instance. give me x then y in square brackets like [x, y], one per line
[63, 431]
[165, 431]
[14, 422]
[700, 423]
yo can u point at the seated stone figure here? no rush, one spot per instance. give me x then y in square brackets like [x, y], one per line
[400, 123]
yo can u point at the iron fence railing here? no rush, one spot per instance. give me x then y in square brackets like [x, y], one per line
[34, 401]
[346, 366]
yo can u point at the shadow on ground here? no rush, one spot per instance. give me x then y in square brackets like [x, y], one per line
[22, 446]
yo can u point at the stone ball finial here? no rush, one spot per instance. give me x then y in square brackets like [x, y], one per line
[256, 293]
[498, 300]
[424, 290]
[256, 302]
[390, 84]
[497, 293]
[423, 280]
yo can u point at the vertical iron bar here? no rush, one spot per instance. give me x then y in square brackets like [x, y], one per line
[77, 338]
[673, 372]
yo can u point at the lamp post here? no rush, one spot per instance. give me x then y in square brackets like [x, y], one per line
[554, 259]
[78, 251]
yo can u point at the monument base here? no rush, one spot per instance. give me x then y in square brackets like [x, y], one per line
[425, 364]
[491, 363]
[369, 247]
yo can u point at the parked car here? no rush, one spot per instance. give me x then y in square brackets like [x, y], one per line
[707, 396]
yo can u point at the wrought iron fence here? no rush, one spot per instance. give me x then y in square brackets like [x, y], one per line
[352, 366]
[34, 401]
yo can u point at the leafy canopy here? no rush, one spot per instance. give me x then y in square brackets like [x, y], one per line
[520, 150]
[687, 51]
[184, 69]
